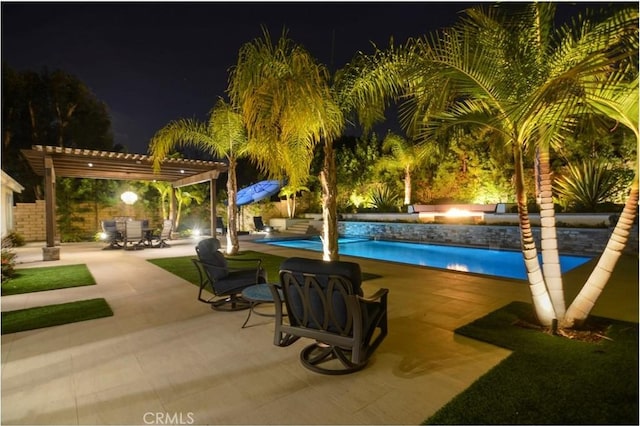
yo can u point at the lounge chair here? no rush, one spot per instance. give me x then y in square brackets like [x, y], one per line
[225, 277]
[324, 302]
[260, 226]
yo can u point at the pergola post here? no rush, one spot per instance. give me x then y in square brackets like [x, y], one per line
[213, 213]
[50, 252]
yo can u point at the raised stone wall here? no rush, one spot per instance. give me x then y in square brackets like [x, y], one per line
[570, 240]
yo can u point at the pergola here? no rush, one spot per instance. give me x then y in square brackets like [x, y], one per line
[53, 161]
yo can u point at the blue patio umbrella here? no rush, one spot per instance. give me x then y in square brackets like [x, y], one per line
[257, 191]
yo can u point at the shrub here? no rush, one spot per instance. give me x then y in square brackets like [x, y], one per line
[16, 240]
[8, 264]
[587, 185]
[384, 199]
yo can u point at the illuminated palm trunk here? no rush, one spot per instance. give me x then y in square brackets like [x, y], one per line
[540, 297]
[329, 204]
[407, 185]
[549, 239]
[232, 209]
[583, 303]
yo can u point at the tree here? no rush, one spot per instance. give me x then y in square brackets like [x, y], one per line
[164, 188]
[405, 157]
[288, 107]
[47, 108]
[516, 75]
[223, 135]
[290, 193]
[184, 199]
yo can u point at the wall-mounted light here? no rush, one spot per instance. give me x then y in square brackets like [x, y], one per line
[129, 197]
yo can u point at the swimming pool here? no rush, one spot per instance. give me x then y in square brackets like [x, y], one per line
[499, 263]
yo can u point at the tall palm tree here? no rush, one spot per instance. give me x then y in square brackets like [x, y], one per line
[617, 99]
[514, 74]
[164, 188]
[290, 193]
[184, 199]
[288, 107]
[537, 97]
[223, 136]
[405, 157]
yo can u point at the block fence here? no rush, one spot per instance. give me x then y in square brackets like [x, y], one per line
[29, 219]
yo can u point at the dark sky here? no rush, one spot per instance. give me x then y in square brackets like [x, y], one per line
[155, 62]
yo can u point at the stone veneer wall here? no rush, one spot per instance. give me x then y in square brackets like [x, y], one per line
[570, 240]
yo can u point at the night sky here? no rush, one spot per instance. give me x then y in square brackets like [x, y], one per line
[155, 62]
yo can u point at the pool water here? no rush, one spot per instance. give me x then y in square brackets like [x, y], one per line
[499, 263]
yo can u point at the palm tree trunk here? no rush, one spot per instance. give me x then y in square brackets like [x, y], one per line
[407, 186]
[232, 209]
[329, 204]
[540, 297]
[586, 299]
[549, 239]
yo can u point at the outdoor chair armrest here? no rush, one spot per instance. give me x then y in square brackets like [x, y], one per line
[378, 296]
[210, 265]
[231, 260]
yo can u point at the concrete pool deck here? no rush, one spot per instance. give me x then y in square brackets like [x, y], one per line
[163, 355]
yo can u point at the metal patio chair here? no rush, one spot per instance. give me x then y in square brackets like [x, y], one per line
[225, 277]
[325, 303]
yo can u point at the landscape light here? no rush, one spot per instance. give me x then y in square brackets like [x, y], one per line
[129, 197]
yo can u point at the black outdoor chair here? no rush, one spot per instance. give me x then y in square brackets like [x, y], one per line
[260, 226]
[113, 236]
[133, 235]
[324, 302]
[160, 241]
[225, 277]
[220, 229]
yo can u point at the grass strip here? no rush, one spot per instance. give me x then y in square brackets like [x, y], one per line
[51, 315]
[549, 379]
[185, 269]
[30, 280]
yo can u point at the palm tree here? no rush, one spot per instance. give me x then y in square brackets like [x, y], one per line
[288, 107]
[617, 99]
[164, 189]
[404, 157]
[184, 199]
[223, 135]
[290, 193]
[530, 104]
[505, 72]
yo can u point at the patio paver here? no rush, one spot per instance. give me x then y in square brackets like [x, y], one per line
[165, 354]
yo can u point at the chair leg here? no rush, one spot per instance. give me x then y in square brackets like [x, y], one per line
[313, 356]
[229, 303]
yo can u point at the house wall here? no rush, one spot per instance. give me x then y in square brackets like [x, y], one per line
[9, 186]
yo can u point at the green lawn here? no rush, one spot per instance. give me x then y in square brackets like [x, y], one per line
[47, 278]
[549, 379]
[184, 267]
[48, 316]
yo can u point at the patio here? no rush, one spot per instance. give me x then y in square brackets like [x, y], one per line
[163, 355]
